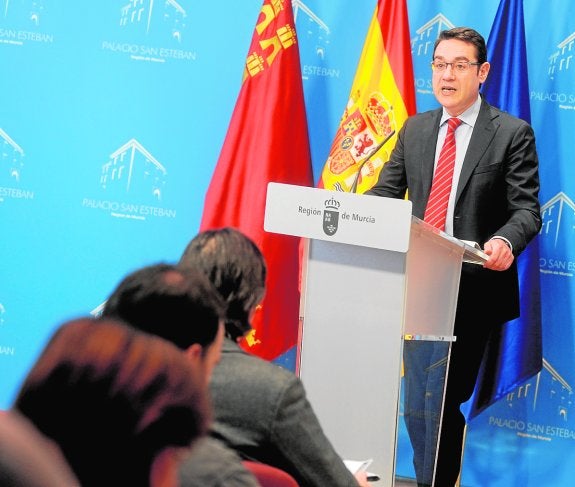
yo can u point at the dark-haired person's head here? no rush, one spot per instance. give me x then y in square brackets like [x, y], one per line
[181, 306]
[114, 399]
[236, 267]
[468, 35]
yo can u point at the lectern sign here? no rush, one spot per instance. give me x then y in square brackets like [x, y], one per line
[350, 218]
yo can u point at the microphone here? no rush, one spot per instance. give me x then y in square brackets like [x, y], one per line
[369, 156]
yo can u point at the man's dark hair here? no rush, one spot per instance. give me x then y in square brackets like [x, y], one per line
[181, 306]
[468, 35]
[236, 267]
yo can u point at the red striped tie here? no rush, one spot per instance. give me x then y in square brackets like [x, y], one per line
[436, 211]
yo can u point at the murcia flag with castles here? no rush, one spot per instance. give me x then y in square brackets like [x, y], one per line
[267, 141]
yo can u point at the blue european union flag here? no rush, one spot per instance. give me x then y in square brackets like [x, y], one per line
[514, 354]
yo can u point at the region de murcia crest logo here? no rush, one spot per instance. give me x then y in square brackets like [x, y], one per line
[330, 216]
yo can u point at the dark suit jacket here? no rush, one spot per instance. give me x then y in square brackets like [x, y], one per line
[262, 412]
[497, 193]
[211, 464]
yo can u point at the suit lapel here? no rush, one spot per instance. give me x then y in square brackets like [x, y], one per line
[482, 136]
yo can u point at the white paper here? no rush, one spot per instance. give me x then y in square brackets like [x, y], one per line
[473, 244]
[355, 466]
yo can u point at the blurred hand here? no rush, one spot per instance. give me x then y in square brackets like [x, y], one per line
[361, 478]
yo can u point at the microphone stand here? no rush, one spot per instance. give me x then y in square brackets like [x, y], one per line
[369, 156]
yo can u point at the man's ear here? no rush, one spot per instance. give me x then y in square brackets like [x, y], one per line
[194, 352]
[484, 71]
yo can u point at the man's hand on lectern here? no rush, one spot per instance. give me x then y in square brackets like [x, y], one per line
[500, 255]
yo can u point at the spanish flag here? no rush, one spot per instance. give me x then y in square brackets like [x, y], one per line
[267, 140]
[382, 97]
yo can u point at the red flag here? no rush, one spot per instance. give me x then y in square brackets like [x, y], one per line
[381, 98]
[267, 140]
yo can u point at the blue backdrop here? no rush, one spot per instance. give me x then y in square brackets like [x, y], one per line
[88, 87]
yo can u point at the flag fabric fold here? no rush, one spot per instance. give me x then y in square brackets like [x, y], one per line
[267, 140]
[514, 354]
[382, 96]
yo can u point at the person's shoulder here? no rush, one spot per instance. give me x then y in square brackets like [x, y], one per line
[266, 370]
[505, 118]
[208, 448]
[27, 457]
[432, 113]
[236, 361]
[233, 352]
[423, 117]
[210, 463]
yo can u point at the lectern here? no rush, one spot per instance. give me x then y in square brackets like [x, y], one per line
[372, 276]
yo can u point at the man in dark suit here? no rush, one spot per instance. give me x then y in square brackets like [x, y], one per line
[261, 409]
[493, 200]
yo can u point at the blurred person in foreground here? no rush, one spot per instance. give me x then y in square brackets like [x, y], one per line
[28, 458]
[260, 409]
[121, 405]
[184, 308]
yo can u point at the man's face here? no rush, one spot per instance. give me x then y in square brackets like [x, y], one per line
[457, 91]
